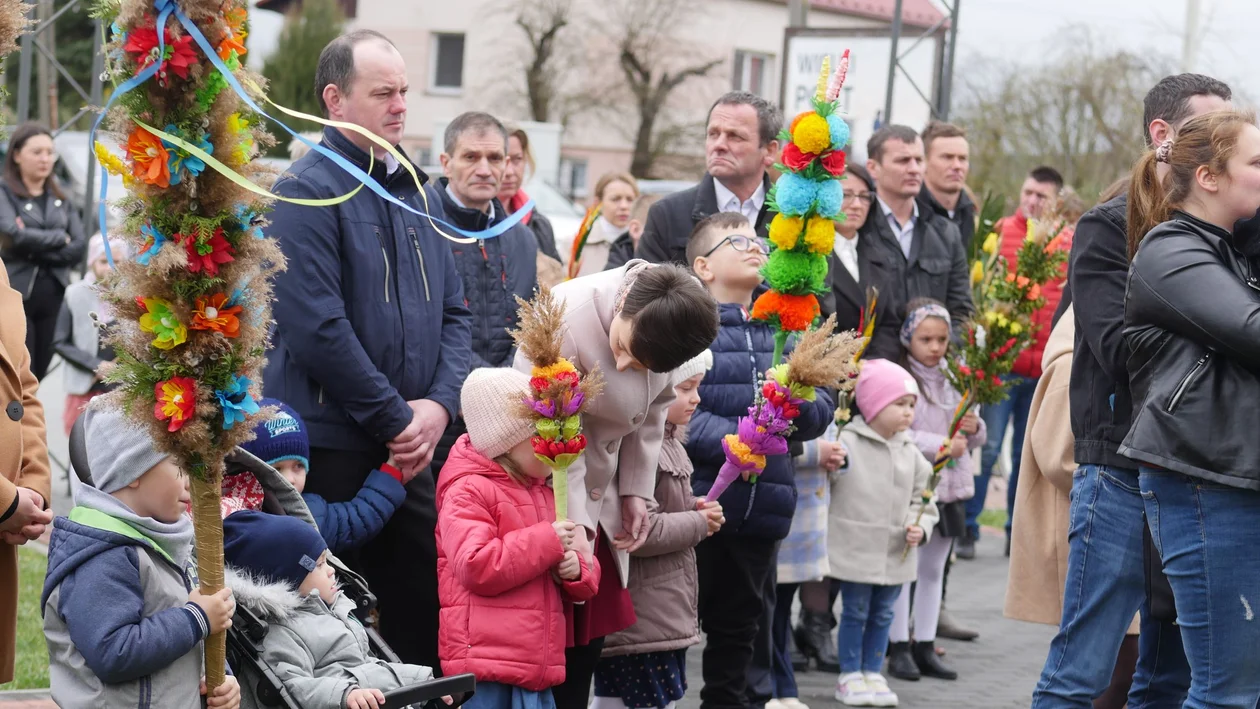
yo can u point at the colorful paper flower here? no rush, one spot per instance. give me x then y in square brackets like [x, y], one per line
[248, 219]
[207, 254]
[794, 313]
[785, 230]
[113, 164]
[176, 401]
[794, 194]
[838, 131]
[820, 235]
[215, 313]
[553, 371]
[148, 158]
[239, 128]
[990, 243]
[741, 455]
[794, 159]
[234, 40]
[178, 57]
[153, 240]
[160, 320]
[555, 448]
[181, 160]
[796, 272]
[829, 199]
[834, 163]
[811, 133]
[977, 272]
[236, 401]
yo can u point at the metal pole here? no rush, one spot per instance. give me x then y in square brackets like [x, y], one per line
[1190, 41]
[798, 13]
[947, 73]
[892, 63]
[45, 77]
[24, 76]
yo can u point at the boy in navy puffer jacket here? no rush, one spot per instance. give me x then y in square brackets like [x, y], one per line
[282, 443]
[736, 565]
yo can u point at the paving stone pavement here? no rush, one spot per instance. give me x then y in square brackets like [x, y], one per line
[997, 671]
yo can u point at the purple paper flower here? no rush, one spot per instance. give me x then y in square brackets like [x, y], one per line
[545, 408]
[760, 439]
[575, 403]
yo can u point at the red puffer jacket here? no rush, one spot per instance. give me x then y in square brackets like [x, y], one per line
[496, 553]
[1012, 231]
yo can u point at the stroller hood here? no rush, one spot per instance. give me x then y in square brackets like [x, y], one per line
[269, 600]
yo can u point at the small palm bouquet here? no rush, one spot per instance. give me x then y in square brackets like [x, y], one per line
[558, 392]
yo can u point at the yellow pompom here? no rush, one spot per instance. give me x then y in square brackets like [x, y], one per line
[1016, 328]
[812, 135]
[785, 230]
[820, 235]
[564, 365]
[990, 243]
[977, 272]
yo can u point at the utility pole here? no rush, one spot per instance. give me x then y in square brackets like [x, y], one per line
[1190, 41]
[798, 13]
[892, 62]
[43, 70]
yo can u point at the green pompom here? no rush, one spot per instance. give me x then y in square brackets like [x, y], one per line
[796, 273]
[572, 427]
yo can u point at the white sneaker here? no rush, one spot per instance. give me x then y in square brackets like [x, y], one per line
[789, 703]
[851, 691]
[881, 695]
[774, 704]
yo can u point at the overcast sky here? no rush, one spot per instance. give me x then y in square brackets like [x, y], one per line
[1022, 29]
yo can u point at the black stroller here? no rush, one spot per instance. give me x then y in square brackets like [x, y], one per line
[260, 687]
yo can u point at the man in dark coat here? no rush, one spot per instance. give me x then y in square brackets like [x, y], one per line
[945, 178]
[372, 335]
[494, 271]
[922, 248]
[740, 145]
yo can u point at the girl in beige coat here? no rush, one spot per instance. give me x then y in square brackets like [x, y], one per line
[875, 514]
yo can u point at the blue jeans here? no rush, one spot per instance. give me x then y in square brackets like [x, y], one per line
[496, 695]
[1016, 405]
[1207, 534]
[1106, 585]
[865, 618]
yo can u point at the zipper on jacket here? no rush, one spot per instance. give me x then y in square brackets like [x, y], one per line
[321, 396]
[1184, 384]
[30, 290]
[384, 255]
[415, 241]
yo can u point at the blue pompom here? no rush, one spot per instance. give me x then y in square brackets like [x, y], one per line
[829, 198]
[794, 194]
[839, 131]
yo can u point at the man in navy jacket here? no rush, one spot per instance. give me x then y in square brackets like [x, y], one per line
[372, 335]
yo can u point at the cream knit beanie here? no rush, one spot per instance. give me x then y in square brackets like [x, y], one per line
[486, 400]
[699, 364]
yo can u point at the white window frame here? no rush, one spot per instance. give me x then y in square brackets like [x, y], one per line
[741, 66]
[435, 41]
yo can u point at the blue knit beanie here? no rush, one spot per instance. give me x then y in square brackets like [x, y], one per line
[276, 547]
[280, 438]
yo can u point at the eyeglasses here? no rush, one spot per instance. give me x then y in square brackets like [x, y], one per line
[739, 242]
[864, 197]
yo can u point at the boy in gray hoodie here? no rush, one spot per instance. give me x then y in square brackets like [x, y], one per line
[123, 618]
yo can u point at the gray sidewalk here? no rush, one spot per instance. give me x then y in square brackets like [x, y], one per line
[997, 671]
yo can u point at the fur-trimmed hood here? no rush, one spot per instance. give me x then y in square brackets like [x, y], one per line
[271, 600]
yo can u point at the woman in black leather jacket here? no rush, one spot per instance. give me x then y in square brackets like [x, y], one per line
[1192, 320]
[41, 236]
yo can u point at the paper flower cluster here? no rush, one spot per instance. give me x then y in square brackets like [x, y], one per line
[558, 392]
[807, 199]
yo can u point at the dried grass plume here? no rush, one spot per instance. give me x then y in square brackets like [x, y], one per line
[824, 358]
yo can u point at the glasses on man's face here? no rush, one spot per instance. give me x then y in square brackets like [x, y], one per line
[864, 197]
[742, 243]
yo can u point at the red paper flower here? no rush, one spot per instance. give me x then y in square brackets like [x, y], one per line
[833, 162]
[176, 401]
[964, 370]
[142, 44]
[997, 382]
[794, 159]
[207, 254]
[214, 313]
[570, 377]
[539, 383]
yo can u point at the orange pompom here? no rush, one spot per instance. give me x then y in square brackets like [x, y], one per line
[794, 312]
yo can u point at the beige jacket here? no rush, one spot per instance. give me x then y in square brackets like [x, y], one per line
[624, 426]
[1039, 539]
[663, 581]
[873, 500]
[23, 450]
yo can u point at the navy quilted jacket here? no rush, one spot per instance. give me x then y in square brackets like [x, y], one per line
[494, 271]
[741, 353]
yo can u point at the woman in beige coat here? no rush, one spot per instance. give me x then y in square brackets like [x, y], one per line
[1039, 543]
[24, 492]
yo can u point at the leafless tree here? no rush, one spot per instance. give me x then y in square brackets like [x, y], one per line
[1079, 111]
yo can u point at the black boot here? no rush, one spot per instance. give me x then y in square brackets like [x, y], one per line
[929, 662]
[800, 663]
[965, 547]
[901, 663]
[815, 640]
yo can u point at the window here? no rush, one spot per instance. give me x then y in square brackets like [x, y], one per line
[573, 178]
[446, 73]
[753, 71]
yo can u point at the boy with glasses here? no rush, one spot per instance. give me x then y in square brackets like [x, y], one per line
[736, 565]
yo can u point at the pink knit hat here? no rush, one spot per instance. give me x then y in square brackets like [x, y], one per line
[880, 384]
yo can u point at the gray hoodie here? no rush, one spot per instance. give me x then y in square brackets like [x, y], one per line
[320, 653]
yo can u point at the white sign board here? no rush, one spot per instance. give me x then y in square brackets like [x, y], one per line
[862, 99]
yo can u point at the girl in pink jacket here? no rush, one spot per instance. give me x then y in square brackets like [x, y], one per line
[502, 554]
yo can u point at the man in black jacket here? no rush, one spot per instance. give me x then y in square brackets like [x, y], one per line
[945, 178]
[1106, 577]
[740, 145]
[494, 271]
[924, 251]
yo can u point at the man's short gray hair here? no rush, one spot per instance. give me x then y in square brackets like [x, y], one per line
[336, 62]
[769, 120]
[475, 122]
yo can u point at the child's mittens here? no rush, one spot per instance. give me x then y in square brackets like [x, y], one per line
[360, 698]
[218, 608]
[914, 535]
